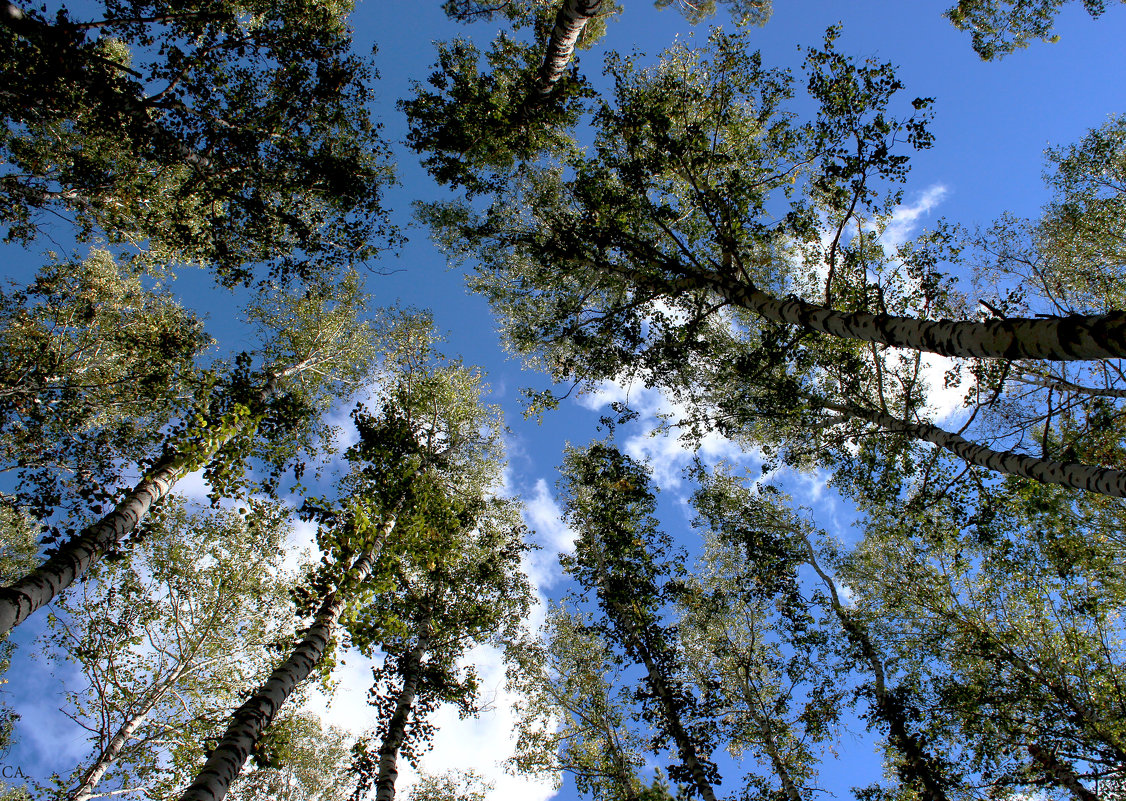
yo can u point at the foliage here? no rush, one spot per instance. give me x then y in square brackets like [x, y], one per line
[762, 641]
[1000, 27]
[226, 134]
[572, 709]
[634, 572]
[19, 547]
[450, 786]
[168, 636]
[92, 365]
[1003, 616]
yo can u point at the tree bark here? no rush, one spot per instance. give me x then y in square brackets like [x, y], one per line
[1103, 480]
[569, 23]
[397, 726]
[1072, 338]
[255, 716]
[77, 555]
[21, 599]
[85, 789]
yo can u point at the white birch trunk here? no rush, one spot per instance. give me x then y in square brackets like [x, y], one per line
[254, 717]
[1076, 337]
[397, 726]
[569, 23]
[1103, 480]
[1073, 338]
[77, 555]
[85, 789]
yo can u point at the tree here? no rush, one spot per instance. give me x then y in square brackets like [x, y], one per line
[761, 641]
[646, 264]
[316, 350]
[18, 548]
[432, 432]
[628, 564]
[1002, 610]
[459, 585]
[165, 640]
[571, 716]
[360, 532]
[999, 27]
[93, 365]
[221, 134]
[450, 786]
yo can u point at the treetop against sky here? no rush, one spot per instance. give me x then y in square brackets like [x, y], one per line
[633, 179]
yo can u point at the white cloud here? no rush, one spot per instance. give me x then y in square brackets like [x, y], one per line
[665, 451]
[905, 219]
[543, 514]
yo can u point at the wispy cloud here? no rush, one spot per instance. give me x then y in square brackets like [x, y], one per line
[906, 218]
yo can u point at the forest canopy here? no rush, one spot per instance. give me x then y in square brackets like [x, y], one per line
[561, 398]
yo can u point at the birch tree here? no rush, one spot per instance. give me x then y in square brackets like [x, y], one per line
[573, 710]
[432, 432]
[658, 207]
[629, 565]
[93, 366]
[459, 586]
[752, 631]
[224, 135]
[316, 349]
[164, 641]
[1014, 597]
[302, 759]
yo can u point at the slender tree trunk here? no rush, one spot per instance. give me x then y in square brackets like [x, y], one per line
[627, 781]
[255, 716]
[920, 769]
[1072, 338]
[85, 789]
[72, 560]
[1053, 382]
[569, 23]
[1060, 773]
[1103, 480]
[397, 726]
[769, 744]
[684, 745]
[77, 555]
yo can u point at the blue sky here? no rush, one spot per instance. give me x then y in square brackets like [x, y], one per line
[992, 123]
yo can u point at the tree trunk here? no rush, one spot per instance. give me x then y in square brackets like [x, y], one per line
[919, 769]
[254, 717]
[77, 555]
[397, 726]
[72, 560]
[1103, 480]
[1072, 338]
[569, 23]
[85, 789]
[769, 743]
[684, 745]
[1060, 773]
